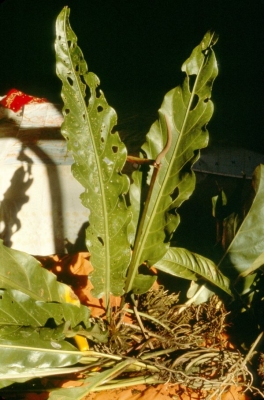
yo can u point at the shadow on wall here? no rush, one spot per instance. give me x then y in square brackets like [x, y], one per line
[32, 141]
[14, 199]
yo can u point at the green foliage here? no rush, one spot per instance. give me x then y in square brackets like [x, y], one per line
[22, 272]
[19, 309]
[246, 242]
[243, 257]
[181, 262]
[99, 158]
[172, 146]
[37, 316]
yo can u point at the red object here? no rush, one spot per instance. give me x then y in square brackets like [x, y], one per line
[15, 100]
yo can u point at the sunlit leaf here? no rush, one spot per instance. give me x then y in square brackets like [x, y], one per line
[184, 113]
[18, 375]
[18, 358]
[16, 308]
[99, 158]
[185, 264]
[20, 271]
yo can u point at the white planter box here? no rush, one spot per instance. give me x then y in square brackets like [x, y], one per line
[40, 206]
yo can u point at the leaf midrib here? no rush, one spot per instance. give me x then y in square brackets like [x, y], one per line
[142, 242]
[103, 196]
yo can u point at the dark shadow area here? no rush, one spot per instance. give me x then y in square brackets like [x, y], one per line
[14, 198]
[79, 244]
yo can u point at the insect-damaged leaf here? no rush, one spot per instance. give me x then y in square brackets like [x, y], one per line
[184, 114]
[17, 308]
[99, 157]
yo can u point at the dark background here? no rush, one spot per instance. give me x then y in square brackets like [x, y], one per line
[137, 48]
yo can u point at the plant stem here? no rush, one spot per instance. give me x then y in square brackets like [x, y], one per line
[136, 261]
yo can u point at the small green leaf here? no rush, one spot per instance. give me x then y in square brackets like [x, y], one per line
[185, 264]
[142, 283]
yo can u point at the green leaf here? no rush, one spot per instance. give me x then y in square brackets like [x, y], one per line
[20, 271]
[248, 243]
[142, 283]
[32, 339]
[185, 112]
[185, 264]
[99, 158]
[39, 354]
[257, 264]
[39, 358]
[14, 375]
[17, 308]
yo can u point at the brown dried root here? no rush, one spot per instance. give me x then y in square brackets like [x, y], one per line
[190, 348]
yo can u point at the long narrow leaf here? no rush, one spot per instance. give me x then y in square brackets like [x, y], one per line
[13, 376]
[184, 113]
[99, 157]
[20, 357]
[19, 361]
[90, 383]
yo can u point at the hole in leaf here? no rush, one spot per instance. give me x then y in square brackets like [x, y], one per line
[192, 79]
[69, 43]
[84, 116]
[50, 323]
[115, 149]
[70, 80]
[87, 95]
[97, 92]
[59, 37]
[102, 139]
[174, 194]
[194, 102]
[77, 68]
[67, 111]
[100, 240]
[82, 79]
[99, 109]
[206, 100]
